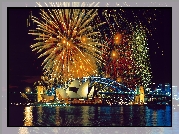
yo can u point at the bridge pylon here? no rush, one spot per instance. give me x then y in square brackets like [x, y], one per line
[139, 97]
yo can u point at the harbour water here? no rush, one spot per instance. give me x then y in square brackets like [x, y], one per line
[89, 116]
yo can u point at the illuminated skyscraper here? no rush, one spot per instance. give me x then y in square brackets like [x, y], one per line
[167, 88]
[159, 89]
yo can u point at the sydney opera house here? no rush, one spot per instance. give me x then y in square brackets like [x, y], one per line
[74, 90]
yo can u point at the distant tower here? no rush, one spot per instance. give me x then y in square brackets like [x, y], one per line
[39, 92]
[160, 87]
[167, 88]
[142, 94]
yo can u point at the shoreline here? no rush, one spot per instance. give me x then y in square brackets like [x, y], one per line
[63, 104]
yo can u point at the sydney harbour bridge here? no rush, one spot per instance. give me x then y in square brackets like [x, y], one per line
[91, 88]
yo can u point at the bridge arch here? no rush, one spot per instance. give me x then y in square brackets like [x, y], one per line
[119, 89]
[108, 83]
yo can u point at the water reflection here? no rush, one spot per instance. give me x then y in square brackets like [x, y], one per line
[96, 116]
[168, 114]
[154, 118]
[85, 115]
[130, 116]
[121, 117]
[94, 110]
[57, 116]
[142, 116]
[39, 117]
[28, 117]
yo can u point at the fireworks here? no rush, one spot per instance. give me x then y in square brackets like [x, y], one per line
[127, 60]
[69, 38]
[140, 56]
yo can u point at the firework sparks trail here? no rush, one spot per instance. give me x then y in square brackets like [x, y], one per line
[70, 40]
[140, 56]
[127, 60]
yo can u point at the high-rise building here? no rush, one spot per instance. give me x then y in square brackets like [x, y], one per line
[167, 88]
[174, 92]
[153, 87]
[159, 89]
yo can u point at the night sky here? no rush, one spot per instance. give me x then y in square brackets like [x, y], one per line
[22, 61]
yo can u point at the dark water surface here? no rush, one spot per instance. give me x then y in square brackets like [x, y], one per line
[89, 116]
